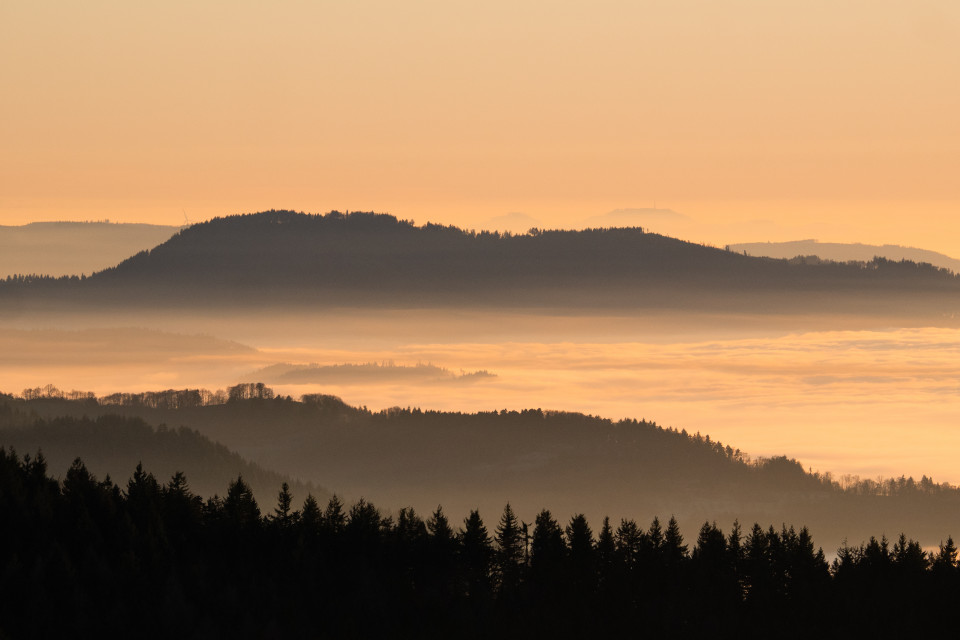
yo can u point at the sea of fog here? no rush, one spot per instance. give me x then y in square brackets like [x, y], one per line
[879, 402]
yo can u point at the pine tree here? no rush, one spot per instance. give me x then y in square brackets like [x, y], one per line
[441, 552]
[182, 511]
[675, 551]
[629, 544]
[476, 552]
[334, 519]
[410, 528]
[439, 527]
[509, 556]
[655, 535]
[946, 557]
[909, 557]
[282, 515]
[239, 507]
[547, 548]
[580, 540]
[711, 548]
[365, 523]
[582, 556]
[606, 546]
[735, 547]
[310, 516]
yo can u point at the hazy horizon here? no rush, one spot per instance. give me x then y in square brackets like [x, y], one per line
[543, 267]
[838, 400]
[775, 122]
[823, 378]
[64, 248]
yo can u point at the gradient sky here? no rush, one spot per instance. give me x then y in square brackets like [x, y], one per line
[759, 120]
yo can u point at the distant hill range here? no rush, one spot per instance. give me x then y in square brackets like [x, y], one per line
[567, 462]
[74, 248]
[845, 252]
[283, 257]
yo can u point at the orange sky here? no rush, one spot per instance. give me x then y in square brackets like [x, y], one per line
[759, 120]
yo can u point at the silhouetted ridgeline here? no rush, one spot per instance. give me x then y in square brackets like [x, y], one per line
[531, 458]
[368, 259]
[845, 252]
[88, 558]
[112, 445]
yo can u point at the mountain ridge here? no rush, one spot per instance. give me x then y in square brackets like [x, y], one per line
[367, 259]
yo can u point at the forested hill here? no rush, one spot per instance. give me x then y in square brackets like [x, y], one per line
[365, 258]
[111, 445]
[531, 458]
[89, 558]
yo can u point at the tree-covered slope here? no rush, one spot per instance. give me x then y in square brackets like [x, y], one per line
[368, 259]
[570, 461]
[85, 556]
[113, 445]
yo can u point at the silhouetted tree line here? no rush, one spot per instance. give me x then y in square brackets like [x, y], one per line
[784, 471]
[93, 559]
[33, 280]
[168, 399]
[877, 263]
[108, 443]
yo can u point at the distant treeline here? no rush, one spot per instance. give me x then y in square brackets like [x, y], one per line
[315, 410]
[296, 259]
[168, 399]
[88, 558]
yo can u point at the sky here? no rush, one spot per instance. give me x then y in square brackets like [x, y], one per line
[755, 120]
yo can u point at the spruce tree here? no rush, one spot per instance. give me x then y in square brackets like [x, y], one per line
[282, 515]
[509, 538]
[476, 552]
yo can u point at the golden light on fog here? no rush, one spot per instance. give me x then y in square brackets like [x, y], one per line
[863, 402]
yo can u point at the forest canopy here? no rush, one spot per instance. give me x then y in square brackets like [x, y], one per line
[88, 556]
[408, 456]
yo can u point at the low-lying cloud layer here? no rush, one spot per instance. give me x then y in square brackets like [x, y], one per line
[865, 402]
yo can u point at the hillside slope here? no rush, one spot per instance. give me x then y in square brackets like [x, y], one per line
[114, 445]
[282, 257]
[567, 462]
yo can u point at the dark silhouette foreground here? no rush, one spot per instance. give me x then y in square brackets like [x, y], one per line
[89, 558]
[568, 461]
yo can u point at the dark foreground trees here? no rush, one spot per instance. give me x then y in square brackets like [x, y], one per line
[93, 559]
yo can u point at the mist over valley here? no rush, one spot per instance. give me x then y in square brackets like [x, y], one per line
[825, 363]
